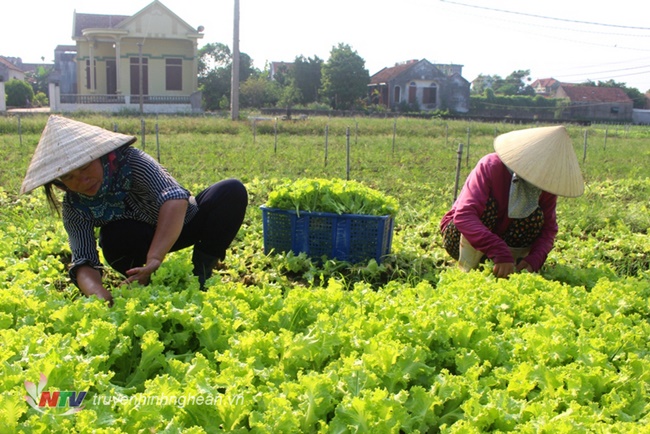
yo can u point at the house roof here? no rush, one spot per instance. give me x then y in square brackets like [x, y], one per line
[95, 21]
[157, 3]
[388, 74]
[277, 65]
[9, 65]
[545, 82]
[66, 48]
[98, 21]
[578, 93]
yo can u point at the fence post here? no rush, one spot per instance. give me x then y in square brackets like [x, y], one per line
[356, 131]
[327, 129]
[467, 155]
[275, 134]
[20, 132]
[459, 157]
[347, 163]
[157, 143]
[142, 134]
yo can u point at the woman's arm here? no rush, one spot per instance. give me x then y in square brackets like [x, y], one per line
[483, 182]
[544, 243]
[170, 224]
[89, 281]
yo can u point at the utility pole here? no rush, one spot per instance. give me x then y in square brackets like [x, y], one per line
[234, 85]
[140, 78]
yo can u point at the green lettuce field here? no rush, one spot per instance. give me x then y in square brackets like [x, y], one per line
[283, 343]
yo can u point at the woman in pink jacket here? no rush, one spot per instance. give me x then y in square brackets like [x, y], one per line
[506, 209]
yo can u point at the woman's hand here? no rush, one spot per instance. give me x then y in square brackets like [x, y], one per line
[523, 265]
[169, 227]
[89, 281]
[142, 275]
[504, 269]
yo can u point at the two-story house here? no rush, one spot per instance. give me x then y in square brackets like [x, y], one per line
[148, 61]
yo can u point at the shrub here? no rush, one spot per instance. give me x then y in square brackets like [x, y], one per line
[40, 100]
[19, 93]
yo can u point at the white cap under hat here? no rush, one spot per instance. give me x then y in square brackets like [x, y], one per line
[66, 145]
[544, 157]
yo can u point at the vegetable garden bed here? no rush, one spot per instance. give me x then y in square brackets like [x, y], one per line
[281, 343]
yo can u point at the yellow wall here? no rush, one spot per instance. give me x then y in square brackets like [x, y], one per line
[155, 50]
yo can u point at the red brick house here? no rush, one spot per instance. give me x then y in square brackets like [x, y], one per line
[596, 103]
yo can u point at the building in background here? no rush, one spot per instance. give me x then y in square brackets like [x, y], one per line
[148, 62]
[595, 103]
[421, 85]
[10, 71]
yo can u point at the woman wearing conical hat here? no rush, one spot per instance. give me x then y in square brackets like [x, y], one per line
[506, 209]
[143, 213]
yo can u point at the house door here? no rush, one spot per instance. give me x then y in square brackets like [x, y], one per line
[413, 93]
[111, 77]
[135, 76]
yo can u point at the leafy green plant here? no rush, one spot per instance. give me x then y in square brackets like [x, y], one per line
[281, 343]
[19, 93]
[331, 195]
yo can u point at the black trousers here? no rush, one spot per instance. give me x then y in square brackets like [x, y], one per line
[222, 207]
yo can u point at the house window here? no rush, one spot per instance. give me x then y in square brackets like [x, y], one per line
[614, 110]
[174, 74]
[413, 93]
[430, 94]
[135, 76]
[397, 94]
[88, 72]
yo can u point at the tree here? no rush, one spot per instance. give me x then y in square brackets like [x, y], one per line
[259, 91]
[307, 76]
[484, 82]
[290, 95]
[39, 79]
[282, 74]
[515, 84]
[215, 66]
[19, 93]
[345, 78]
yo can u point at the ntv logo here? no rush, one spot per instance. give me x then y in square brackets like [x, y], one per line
[40, 401]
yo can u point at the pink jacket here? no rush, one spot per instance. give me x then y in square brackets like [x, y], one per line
[491, 178]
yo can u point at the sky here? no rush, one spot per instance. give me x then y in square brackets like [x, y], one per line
[571, 41]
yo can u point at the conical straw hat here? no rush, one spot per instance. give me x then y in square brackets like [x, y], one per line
[544, 157]
[66, 145]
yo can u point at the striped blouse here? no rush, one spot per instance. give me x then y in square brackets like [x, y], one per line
[151, 186]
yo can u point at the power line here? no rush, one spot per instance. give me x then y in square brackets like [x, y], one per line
[544, 16]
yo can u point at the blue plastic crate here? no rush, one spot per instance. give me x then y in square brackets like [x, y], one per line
[347, 237]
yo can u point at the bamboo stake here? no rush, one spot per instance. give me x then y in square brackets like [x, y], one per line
[394, 133]
[458, 164]
[327, 129]
[467, 155]
[275, 133]
[157, 142]
[347, 165]
[142, 135]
